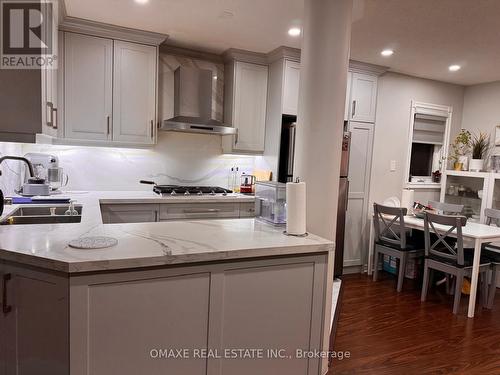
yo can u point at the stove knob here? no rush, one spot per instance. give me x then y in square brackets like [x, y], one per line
[187, 192]
[200, 193]
[173, 192]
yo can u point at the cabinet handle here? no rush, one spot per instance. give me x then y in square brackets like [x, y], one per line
[54, 120]
[353, 108]
[152, 130]
[201, 211]
[5, 307]
[50, 109]
[236, 138]
[156, 216]
[107, 124]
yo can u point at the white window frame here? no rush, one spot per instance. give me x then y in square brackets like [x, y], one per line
[434, 110]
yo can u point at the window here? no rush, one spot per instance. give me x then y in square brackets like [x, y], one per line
[429, 128]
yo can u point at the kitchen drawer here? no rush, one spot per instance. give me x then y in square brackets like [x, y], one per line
[180, 211]
[129, 213]
[247, 209]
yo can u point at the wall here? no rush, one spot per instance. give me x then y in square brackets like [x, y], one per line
[481, 108]
[395, 93]
[177, 159]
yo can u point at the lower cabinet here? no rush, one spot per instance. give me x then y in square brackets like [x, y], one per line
[34, 322]
[129, 213]
[148, 213]
[173, 320]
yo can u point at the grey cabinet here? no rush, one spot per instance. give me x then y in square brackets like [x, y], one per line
[88, 88]
[130, 213]
[34, 323]
[148, 213]
[245, 106]
[186, 211]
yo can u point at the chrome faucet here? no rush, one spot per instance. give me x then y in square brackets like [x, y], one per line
[28, 163]
[71, 209]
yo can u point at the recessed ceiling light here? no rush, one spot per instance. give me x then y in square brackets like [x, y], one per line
[454, 68]
[294, 31]
[215, 77]
[141, 1]
[387, 52]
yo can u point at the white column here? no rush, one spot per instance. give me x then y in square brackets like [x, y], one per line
[323, 81]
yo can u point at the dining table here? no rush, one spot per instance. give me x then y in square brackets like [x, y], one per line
[474, 236]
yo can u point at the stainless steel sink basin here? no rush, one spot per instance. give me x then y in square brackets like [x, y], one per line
[48, 214]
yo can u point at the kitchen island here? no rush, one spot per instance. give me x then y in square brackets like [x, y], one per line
[181, 297]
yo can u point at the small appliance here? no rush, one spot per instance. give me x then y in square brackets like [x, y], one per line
[46, 168]
[270, 202]
[247, 184]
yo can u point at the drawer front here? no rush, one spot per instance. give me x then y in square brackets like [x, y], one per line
[247, 209]
[184, 211]
[129, 213]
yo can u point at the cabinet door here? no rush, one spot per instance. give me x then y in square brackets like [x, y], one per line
[88, 87]
[250, 98]
[291, 88]
[363, 97]
[35, 337]
[129, 213]
[348, 96]
[360, 156]
[134, 92]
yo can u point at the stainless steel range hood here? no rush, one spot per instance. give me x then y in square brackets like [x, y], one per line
[193, 104]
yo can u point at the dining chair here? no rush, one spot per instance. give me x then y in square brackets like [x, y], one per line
[492, 252]
[393, 239]
[446, 208]
[449, 257]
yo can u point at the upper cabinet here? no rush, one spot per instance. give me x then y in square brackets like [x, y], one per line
[134, 89]
[291, 87]
[245, 106]
[363, 97]
[88, 87]
[109, 90]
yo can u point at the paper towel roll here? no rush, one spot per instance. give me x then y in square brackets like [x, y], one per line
[296, 208]
[407, 198]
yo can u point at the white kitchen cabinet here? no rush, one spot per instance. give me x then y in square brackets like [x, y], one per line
[134, 92]
[88, 85]
[291, 87]
[129, 213]
[246, 111]
[363, 100]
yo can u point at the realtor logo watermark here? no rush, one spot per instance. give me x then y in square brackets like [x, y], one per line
[28, 34]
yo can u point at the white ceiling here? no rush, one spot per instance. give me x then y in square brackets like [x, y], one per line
[427, 35]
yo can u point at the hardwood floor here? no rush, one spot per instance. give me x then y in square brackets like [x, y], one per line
[394, 333]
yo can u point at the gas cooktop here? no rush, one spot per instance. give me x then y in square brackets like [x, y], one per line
[190, 190]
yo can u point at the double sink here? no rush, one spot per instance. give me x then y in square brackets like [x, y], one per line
[47, 214]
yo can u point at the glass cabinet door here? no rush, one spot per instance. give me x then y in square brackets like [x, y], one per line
[495, 203]
[469, 191]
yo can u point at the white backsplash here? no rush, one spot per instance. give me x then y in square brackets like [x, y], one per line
[178, 158]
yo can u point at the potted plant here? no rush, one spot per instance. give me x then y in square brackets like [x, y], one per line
[480, 144]
[459, 150]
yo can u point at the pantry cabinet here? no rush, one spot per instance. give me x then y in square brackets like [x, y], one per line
[291, 87]
[134, 92]
[363, 97]
[88, 87]
[246, 101]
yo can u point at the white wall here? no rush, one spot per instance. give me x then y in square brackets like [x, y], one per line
[178, 158]
[482, 108]
[395, 93]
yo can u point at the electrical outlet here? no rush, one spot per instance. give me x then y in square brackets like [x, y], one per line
[393, 166]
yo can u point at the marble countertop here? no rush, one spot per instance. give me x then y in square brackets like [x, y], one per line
[146, 244]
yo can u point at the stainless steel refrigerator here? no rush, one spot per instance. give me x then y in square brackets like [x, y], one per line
[343, 199]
